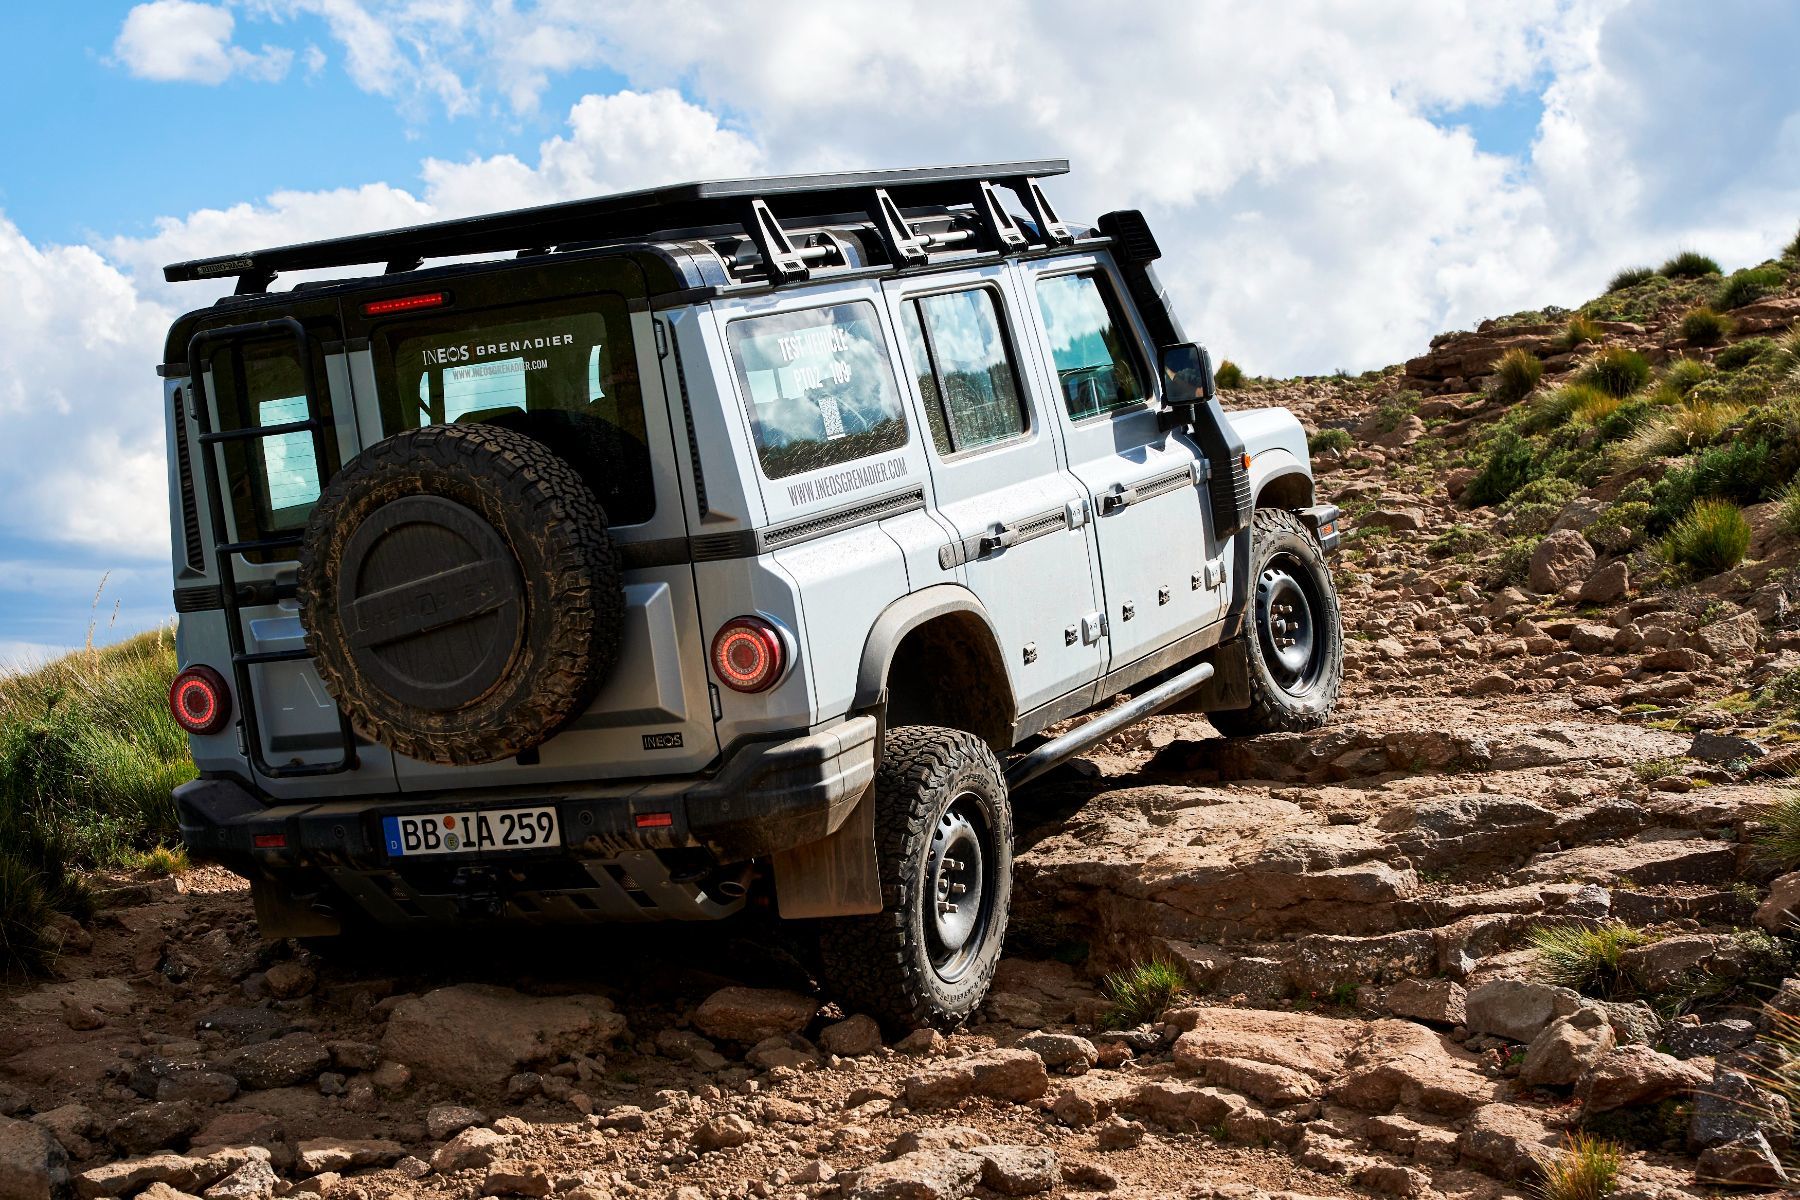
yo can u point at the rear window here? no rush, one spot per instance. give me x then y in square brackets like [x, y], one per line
[563, 373]
[819, 387]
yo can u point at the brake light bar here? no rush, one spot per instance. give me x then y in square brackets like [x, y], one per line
[378, 308]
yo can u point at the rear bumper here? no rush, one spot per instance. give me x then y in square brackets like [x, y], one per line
[768, 796]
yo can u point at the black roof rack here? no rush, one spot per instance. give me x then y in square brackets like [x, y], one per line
[742, 202]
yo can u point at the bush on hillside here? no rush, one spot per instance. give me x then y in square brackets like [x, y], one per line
[88, 755]
[1704, 327]
[1516, 374]
[1689, 264]
[1630, 277]
[1328, 441]
[1793, 248]
[1742, 354]
[1740, 471]
[1693, 423]
[1787, 518]
[1510, 465]
[1582, 330]
[1747, 286]
[1228, 375]
[1711, 538]
[1682, 374]
[1617, 369]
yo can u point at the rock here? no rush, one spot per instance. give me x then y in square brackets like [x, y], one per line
[1398, 1063]
[723, 1133]
[1310, 1045]
[936, 1139]
[33, 1166]
[1015, 1075]
[476, 1147]
[1064, 1053]
[1183, 1105]
[1088, 1177]
[1116, 1133]
[1560, 560]
[286, 1062]
[922, 1043]
[1402, 520]
[1673, 960]
[288, 980]
[1592, 639]
[1712, 747]
[1017, 1170]
[241, 1128]
[1734, 639]
[791, 1051]
[1275, 1086]
[476, 1035]
[339, 1154]
[1747, 1162]
[1631, 1022]
[853, 1037]
[1608, 585]
[444, 1121]
[742, 1014]
[1517, 1009]
[684, 1045]
[1506, 1140]
[1439, 1001]
[1780, 912]
[921, 1175]
[1708, 1040]
[1636, 1075]
[1566, 1048]
[156, 1126]
[201, 1087]
[254, 1180]
[510, 1178]
[1737, 1104]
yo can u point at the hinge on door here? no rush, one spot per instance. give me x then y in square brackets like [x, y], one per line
[1093, 628]
[1215, 573]
[1075, 514]
[662, 337]
[1202, 470]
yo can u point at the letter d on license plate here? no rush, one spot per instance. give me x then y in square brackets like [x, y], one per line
[419, 834]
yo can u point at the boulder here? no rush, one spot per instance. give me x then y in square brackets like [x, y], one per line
[1399, 1064]
[511, 1178]
[1735, 639]
[742, 1014]
[1561, 560]
[1438, 1001]
[1065, 1053]
[1608, 585]
[1017, 1170]
[255, 1180]
[853, 1037]
[33, 1166]
[1566, 1048]
[285, 1062]
[1780, 912]
[1637, 1075]
[1015, 1075]
[443, 1121]
[476, 1035]
[1710, 746]
[1403, 520]
[474, 1147]
[1506, 1140]
[155, 1127]
[1517, 1009]
[1748, 1161]
[288, 980]
[342, 1154]
[922, 1175]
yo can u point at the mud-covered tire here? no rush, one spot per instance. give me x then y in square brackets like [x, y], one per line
[1293, 686]
[459, 593]
[896, 965]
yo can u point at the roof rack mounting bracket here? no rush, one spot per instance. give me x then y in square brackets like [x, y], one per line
[254, 282]
[403, 264]
[1003, 232]
[904, 247]
[1037, 206]
[782, 261]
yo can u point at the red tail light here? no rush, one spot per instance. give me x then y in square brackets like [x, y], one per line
[377, 308]
[200, 700]
[748, 655]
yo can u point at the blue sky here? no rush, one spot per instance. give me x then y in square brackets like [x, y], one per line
[1332, 182]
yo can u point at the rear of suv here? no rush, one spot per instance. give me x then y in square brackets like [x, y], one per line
[720, 544]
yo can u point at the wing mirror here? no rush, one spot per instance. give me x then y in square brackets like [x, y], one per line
[1187, 382]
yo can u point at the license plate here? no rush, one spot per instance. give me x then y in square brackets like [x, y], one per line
[470, 832]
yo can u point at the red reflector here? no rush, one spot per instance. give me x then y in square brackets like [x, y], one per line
[269, 841]
[376, 308]
[655, 820]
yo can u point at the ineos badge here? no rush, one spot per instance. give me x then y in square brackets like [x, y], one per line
[662, 741]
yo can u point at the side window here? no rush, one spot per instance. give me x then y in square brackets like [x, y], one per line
[965, 370]
[819, 385]
[273, 481]
[1090, 343]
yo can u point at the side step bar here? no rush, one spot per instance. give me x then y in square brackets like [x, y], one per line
[1058, 750]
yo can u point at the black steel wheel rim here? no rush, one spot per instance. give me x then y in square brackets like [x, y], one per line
[1287, 607]
[958, 887]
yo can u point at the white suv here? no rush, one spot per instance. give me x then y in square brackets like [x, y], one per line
[661, 550]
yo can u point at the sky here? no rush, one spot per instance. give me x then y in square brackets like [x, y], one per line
[1332, 181]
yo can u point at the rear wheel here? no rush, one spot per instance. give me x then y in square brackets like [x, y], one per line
[1295, 638]
[943, 839]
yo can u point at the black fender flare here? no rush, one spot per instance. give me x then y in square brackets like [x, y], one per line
[899, 619]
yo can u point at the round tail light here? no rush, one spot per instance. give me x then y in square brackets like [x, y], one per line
[748, 655]
[200, 700]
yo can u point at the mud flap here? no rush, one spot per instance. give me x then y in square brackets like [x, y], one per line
[836, 876]
[1229, 687]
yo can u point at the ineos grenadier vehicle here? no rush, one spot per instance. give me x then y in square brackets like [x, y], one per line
[648, 556]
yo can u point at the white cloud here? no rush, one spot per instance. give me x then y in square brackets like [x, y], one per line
[180, 41]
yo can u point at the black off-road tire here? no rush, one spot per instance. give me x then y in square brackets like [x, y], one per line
[541, 655]
[884, 964]
[1298, 692]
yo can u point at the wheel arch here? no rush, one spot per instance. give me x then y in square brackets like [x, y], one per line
[1284, 483]
[969, 689]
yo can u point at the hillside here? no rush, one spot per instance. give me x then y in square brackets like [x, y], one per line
[1520, 921]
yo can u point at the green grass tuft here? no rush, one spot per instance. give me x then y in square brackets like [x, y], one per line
[1228, 375]
[1779, 843]
[1617, 369]
[1741, 354]
[1582, 330]
[1684, 374]
[1516, 375]
[1142, 992]
[1793, 248]
[1711, 538]
[1689, 264]
[1328, 441]
[1748, 286]
[1586, 958]
[1630, 277]
[1586, 1168]
[1787, 517]
[1702, 326]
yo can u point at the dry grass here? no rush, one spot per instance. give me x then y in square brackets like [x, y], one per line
[1586, 1168]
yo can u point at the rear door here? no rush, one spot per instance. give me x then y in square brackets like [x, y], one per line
[1143, 483]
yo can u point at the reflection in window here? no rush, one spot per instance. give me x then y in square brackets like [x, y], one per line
[1088, 344]
[966, 376]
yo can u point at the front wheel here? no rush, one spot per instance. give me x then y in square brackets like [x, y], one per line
[1295, 638]
[943, 841]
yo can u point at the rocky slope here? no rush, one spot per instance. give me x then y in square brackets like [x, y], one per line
[1545, 728]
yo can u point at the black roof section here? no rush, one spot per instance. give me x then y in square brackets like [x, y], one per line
[740, 202]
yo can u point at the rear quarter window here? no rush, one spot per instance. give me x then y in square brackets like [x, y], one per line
[819, 387]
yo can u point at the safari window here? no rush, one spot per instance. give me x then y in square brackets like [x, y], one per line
[1090, 345]
[965, 370]
[274, 481]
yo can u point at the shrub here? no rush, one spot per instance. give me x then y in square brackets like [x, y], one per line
[1516, 375]
[1704, 327]
[1458, 540]
[1581, 331]
[1625, 420]
[1586, 958]
[1711, 538]
[1512, 563]
[1747, 286]
[1510, 465]
[1228, 375]
[1684, 373]
[1141, 992]
[1328, 441]
[1779, 843]
[1617, 369]
[1592, 405]
[1630, 277]
[1689, 424]
[1741, 355]
[1586, 1168]
[1793, 248]
[1689, 264]
[1787, 518]
[1741, 471]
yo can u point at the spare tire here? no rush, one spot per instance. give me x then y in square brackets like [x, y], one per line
[459, 593]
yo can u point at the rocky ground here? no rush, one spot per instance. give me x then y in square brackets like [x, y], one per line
[1352, 909]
